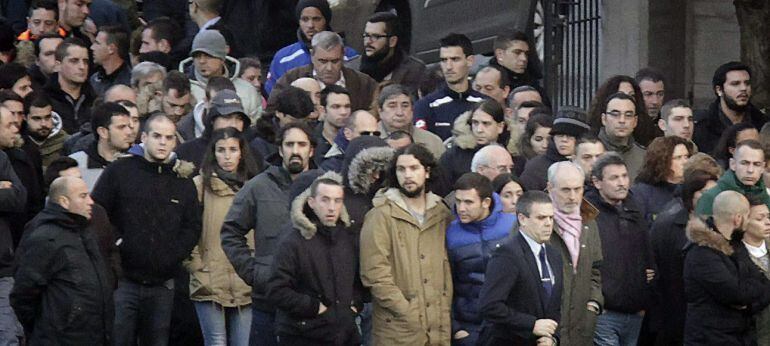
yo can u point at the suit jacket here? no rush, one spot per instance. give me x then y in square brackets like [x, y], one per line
[513, 298]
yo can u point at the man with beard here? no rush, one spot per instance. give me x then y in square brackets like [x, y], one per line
[42, 130]
[314, 16]
[403, 255]
[111, 124]
[732, 86]
[384, 57]
[262, 206]
[627, 257]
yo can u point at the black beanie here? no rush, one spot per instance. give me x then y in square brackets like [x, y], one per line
[321, 5]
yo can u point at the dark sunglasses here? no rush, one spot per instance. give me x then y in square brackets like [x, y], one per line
[371, 133]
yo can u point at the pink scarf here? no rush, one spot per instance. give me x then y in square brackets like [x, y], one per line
[569, 227]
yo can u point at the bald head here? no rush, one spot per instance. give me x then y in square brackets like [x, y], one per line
[492, 160]
[562, 171]
[60, 187]
[120, 92]
[728, 204]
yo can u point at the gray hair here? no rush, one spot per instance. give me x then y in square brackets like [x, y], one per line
[483, 157]
[145, 69]
[326, 40]
[556, 167]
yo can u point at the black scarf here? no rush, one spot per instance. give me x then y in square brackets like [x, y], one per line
[380, 66]
[234, 180]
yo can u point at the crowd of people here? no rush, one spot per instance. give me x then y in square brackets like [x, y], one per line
[156, 189]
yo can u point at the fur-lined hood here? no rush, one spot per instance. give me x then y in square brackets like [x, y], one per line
[462, 135]
[461, 131]
[365, 163]
[698, 232]
[300, 208]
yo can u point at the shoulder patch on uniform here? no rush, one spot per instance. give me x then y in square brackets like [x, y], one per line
[439, 102]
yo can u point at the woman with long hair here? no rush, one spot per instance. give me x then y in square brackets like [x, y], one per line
[222, 299]
[534, 140]
[662, 173]
[510, 189]
[646, 128]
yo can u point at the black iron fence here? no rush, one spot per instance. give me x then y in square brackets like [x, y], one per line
[572, 36]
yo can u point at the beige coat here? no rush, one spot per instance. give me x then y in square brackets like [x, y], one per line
[406, 266]
[212, 277]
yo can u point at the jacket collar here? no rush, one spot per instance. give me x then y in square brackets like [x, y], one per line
[729, 181]
[300, 211]
[366, 162]
[613, 144]
[172, 165]
[56, 214]
[489, 221]
[705, 234]
[401, 211]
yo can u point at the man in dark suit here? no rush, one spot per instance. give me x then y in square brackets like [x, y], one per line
[521, 297]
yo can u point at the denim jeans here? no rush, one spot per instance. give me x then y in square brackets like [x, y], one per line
[262, 328]
[10, 328]
[617, 328]
[220, 324]
[142, 312]
[365, 324]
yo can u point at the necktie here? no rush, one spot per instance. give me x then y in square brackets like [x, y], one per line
[544, 276]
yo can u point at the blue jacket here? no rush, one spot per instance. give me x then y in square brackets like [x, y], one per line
[292, 56]
[470, 247]
[437, 111]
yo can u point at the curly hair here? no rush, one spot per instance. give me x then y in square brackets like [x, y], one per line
[426, 159]
[657, 159]
[645, 127]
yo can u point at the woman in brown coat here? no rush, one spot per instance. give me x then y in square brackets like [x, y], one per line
[222, 300]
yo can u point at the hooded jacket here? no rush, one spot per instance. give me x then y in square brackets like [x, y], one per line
[710, 123]
[62, 294]
[91, 164]
[729, 182]
[469, 247]
[405, 264]
[51, 147]
[359, 187]
[720, 290]
[252, 101]
[212, 277]
[154, 207]
[316, 264]
[535, 175]
[259, 206]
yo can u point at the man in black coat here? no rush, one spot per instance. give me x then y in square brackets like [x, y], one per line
[62, 294]
[720, 299]
[314, 280]
[521, 295]
[71, 94]
[154, 207]
[732, 86]
[627, 265]
[13, 199]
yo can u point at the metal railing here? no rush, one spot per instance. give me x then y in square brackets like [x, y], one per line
[572, 35]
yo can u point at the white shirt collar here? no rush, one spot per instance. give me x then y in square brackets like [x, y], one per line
[756, 251]
[533, 245]
[340, 82]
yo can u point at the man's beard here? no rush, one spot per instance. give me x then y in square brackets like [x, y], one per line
[412, 194]
[377, 56]
[36, 135]
[295, 167]
[733, 105]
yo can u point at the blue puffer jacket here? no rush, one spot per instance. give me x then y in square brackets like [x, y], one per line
[469, 247]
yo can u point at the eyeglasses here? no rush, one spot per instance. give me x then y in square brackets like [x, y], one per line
[373, 37]
[371, 133]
